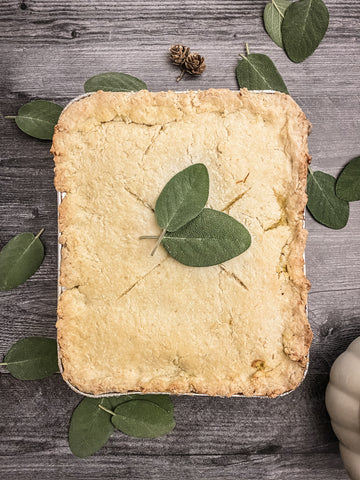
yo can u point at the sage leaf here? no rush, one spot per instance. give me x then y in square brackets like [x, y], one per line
[348, 183]
[32, 358]
[323, 204]
[163, 401]
[38, 118]
[213, 237]
[257, 72]
[19, 259]
[273, 18]
[90, 427]
[183, 197]
[142, 418]
[114, 82]
[304, 26]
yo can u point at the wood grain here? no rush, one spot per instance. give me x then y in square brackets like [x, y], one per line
[47, 50]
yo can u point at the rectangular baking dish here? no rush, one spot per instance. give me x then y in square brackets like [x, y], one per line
[60, 289]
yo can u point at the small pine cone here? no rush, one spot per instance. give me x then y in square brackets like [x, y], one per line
[194, 64]
[178, 54]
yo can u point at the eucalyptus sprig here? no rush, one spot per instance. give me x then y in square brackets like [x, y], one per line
[94, 420]
[348, 182]
[114, 82]
[257, 72]
[297, 27]
[38, 118]
[323, 203]
[20, 258]
[193, 235]
[32, 358]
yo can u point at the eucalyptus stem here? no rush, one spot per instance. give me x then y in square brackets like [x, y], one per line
[106, 410]
[11, 117]
[162, 235]
[310, 170]
[147, 237]
[247, 48]
[41, 231]
[277, 8]
[3, 364]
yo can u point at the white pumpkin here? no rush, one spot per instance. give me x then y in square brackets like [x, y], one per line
[343, 404]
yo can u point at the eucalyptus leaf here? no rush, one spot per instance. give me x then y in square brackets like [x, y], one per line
[323, 204]
[38, 118]
[257, 72]
[32, 358]
[142, 418]
[183, 197]
[348, 183]
[273, 18]
[304, 26]
[90, 426]
[212, 238]
[19, 260]
[163, 401]
[114, 82]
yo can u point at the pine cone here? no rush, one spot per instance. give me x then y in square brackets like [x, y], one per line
[194, 64]
[178, 54]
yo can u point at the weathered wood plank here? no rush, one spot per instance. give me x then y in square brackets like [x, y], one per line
[205, 426]
[47, 50]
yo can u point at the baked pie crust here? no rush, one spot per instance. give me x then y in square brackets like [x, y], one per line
[128, 321]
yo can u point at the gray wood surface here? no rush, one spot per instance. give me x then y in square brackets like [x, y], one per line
[47, 50]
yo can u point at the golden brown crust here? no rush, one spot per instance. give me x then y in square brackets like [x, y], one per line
[113, 153]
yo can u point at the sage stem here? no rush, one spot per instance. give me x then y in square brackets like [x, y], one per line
[162, 235]
[11, 117]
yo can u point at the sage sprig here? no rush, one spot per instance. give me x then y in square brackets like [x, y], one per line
[193, 235]
[182, 199]
[273, 17]
[210, 239]
[257, 72]
[94, 420]
[348, 182]
[114, 82]
[20, 258]
[304, 26]
[32, 358]
[323, 204]
[38, 118]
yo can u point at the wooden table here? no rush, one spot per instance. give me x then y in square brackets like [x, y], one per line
[48, 49]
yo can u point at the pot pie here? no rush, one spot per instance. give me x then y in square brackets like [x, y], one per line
[128, 321]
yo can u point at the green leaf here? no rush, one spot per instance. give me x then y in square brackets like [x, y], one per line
[163, 401]
[273, 18]
[142, 418]
[32, 358]
[211, 238]
[183, 197]
[19, 260]
[323, 204]
[114, 82]
[38, 118]
[257, 72]
[304, 26]
[90, 427]
[348, 183]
